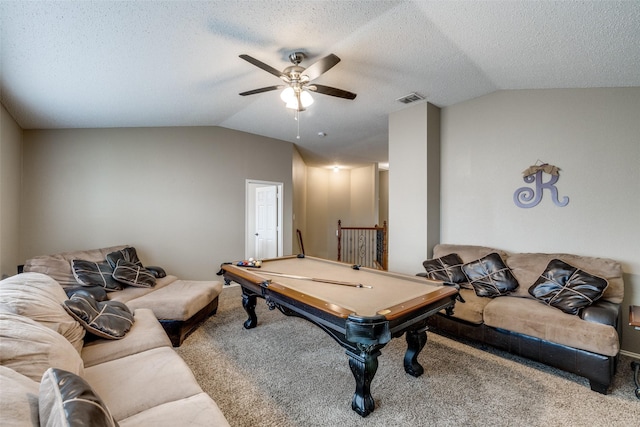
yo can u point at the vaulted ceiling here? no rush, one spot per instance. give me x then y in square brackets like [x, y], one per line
[86, 64]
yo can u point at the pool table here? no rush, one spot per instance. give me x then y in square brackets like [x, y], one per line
[361, 308]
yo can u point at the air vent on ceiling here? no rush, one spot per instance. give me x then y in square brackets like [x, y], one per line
[412, 97]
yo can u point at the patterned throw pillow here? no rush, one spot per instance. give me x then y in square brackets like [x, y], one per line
[106, 319]
[127, 254]
[567, 288]
[490, 277]
[89, 273]
[134, 275]
[65, 399]
[448, 269]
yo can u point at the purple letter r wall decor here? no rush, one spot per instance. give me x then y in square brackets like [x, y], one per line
[525, 197]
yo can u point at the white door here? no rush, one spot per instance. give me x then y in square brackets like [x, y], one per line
[266, 222]
[263, 220]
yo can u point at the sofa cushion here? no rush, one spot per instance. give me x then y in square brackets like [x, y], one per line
[489, 276]
[133, 274]
[527, 267]
[68, 400]
[447, 268]
[30, 348]
[527, 316]
[472, 309]
[91, 273]
[145, 333]
[127, 254]
[145, 388]
[179, 300]
[106, 319]
[58, 265]
[194, 411]
[467, 253]
[567, 288]
[130, 293]
[18, 399]
[39, 297]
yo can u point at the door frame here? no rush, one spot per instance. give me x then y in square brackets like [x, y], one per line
[249, 239]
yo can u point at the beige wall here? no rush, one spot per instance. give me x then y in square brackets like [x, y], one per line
[349, 195]
[176, 194]
[299, 201]
[591, 134]
[10, 179]
[383, 197]
[414, 186]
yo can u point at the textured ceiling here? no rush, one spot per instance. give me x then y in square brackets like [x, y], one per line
[84, 64]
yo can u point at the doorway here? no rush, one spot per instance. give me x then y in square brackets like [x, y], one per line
[263, 219]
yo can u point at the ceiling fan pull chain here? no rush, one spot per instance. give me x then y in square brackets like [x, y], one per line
[298, 120]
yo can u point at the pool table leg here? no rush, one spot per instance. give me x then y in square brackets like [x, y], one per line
[364, 366]
[416, 340]
[249, 305]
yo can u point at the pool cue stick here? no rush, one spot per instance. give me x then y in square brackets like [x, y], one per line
[314, 279]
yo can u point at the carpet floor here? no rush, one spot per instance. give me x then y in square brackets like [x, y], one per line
[287, 372]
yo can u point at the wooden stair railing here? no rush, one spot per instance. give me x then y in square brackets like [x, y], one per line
[365, 246]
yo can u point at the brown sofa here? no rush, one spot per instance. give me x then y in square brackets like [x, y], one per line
[54, 371]
[179, 305]
[586, 343]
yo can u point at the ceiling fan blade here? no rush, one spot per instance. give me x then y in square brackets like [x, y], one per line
[322, 66]
[262, 89]
[260, 64]
[328, 90]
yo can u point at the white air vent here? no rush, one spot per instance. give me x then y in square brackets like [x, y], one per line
[412, 97]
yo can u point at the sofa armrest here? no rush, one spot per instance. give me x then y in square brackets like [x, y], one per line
[158, 272]
[604, 312]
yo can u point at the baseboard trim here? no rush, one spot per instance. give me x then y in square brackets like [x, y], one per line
[630, 354]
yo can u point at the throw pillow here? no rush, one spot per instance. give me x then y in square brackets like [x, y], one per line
[448, 269]
[134, 275]
[66, 399]
[89, 273]
[127, 254]
[106, 319]
[489, 276]
[567, 288]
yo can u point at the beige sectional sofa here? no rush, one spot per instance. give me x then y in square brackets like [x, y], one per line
[586, 343]
[46, 356]
[180, 305]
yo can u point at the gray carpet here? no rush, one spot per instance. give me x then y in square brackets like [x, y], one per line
[288, 372]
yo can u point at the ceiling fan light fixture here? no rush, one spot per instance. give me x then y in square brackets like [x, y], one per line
[305, 98]
[288, 95]
[291, 100]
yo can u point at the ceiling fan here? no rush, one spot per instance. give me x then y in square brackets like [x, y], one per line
[298, 80]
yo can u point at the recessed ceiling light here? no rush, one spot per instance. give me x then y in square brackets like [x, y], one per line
[322, 134]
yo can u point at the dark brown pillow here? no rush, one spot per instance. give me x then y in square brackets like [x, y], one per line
[67, 399]
[490, 277]
[127, 254]
[448, 269]
[567, 288]
[89, 273]
[106, 319]
[132, 274]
